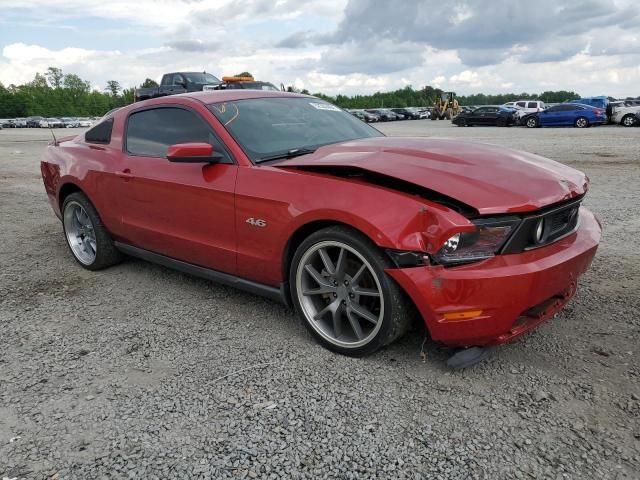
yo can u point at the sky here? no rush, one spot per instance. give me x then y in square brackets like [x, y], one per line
[333, 46]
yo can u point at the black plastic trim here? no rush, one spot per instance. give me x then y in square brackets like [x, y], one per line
[519, 240]
[267, 291]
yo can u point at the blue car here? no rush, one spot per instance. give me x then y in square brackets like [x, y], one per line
[566, 115]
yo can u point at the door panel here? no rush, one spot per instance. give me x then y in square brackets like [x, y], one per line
[549, 118]
[182, 210]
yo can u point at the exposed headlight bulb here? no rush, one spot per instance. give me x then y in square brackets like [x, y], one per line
[451, 245]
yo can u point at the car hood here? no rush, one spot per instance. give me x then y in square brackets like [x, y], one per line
[489, 178]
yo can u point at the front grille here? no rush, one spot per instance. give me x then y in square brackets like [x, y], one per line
[559, 221]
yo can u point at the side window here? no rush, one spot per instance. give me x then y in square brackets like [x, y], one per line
[521, 104]
[532, 105]
[151, 132]
[178, 80]
[100, 133]
[480, 110]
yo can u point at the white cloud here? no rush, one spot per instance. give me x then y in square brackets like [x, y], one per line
[226, 37]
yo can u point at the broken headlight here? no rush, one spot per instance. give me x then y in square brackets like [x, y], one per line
[487, 240]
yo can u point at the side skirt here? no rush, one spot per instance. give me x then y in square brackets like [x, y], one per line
[277, 294]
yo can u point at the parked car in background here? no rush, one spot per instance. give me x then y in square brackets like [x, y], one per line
[525, 107]
[33, 122]
[408, 113]
[625, 116]
[423, 112]
[384, 114]
[7, 123]
[21, 122]
[489, 115]
[178, 82]
[566, 115]
[69, 122]
[55, 123]
[364, 115]
[85, 122]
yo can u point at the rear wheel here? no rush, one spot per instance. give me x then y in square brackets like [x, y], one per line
[88, 239]
[342, 294]
[581, 122]
[628, 121]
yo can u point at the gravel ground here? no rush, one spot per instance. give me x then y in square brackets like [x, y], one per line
[142, 372]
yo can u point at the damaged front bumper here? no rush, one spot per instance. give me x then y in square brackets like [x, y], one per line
[495, 300]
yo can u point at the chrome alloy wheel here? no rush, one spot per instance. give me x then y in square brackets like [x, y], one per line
[340, 294]
[581, 122]
[80, 233]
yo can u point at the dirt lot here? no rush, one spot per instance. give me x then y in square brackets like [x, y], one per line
[141, 372]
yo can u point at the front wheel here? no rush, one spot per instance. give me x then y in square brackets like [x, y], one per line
[581, 122]
[532, 122]
[88, 239]
[501, 122]
[628, 121]
[342, 294]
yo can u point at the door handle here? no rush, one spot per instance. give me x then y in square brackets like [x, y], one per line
[125, 174]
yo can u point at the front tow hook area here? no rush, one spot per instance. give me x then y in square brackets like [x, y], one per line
[467, 357]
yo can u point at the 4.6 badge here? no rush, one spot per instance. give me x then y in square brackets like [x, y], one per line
[256, 222]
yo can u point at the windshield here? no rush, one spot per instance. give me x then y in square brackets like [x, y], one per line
[268, 127]
[200, 78]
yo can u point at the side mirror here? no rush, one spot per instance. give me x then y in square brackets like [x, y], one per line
[193, 153]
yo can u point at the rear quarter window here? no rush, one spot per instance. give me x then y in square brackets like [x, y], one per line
[101, 133]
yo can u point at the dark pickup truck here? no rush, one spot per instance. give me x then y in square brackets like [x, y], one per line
[178, 82]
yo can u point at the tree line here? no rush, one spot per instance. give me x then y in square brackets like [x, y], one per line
[56, 94]
[426, 96]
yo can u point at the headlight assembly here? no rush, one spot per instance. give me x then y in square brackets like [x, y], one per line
[487, 240]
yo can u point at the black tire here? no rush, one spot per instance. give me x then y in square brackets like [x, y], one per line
[501, 122]
[462, 122]
[397, 311]
[106, 253]
[531, 122]
[628, 121]
[581, 122]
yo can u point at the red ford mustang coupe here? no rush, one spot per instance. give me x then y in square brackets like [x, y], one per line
[290, 197]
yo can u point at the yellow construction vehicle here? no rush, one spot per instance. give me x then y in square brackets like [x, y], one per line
[445, 107]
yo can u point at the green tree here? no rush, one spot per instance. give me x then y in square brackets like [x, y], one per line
[54, 76]
[149, 83]
[244, 74]
[114, 87]
[75, 83]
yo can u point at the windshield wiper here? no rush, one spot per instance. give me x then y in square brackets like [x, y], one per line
[294, 152]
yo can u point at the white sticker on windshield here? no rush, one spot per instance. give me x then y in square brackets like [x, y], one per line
[324, 106]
